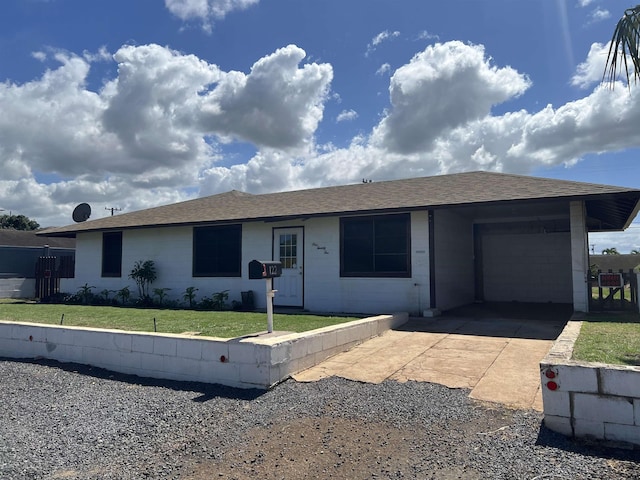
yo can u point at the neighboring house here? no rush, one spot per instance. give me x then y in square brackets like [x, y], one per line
[418, 245]
[19, 252]
[615, 263]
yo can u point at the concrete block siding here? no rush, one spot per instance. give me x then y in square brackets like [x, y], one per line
[258, 361]
[17, 287]
[591, 400]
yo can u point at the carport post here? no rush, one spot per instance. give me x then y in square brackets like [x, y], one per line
[579, 256]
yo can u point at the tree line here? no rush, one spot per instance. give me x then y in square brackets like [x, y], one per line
[18, 222]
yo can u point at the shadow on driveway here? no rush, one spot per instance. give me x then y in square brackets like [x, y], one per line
[540, 321]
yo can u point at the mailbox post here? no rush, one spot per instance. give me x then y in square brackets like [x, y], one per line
[267, 270]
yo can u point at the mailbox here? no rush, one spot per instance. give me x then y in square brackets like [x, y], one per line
[260, 269]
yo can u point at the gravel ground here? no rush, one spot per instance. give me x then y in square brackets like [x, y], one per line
[66, 421]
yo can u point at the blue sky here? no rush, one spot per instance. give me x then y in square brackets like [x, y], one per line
[135, 104]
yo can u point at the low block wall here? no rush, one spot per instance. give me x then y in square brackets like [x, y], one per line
[17, 287]
[258, 361]
[590, 400]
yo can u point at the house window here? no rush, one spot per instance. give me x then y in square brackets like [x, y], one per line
[217, 251]
[112, 254]
[375, 246]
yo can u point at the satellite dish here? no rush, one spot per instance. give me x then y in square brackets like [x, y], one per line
[81, 213]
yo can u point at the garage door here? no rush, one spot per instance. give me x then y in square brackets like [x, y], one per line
[526, 267]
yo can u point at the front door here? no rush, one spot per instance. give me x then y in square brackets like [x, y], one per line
[288, 249]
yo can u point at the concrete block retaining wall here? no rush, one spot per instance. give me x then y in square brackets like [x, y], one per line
[17, 287]
[258, 361]
[590, 400]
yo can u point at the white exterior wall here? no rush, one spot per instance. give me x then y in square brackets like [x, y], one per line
[171, 249]
[326, 291]
[454, 267]
[527, 267]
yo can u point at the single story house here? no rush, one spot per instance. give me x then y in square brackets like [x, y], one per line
[418, 245]
[19, 252]
[615, 263]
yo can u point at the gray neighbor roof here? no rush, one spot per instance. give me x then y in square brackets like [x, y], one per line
[615, 263]
[613, 207]
[28, 238]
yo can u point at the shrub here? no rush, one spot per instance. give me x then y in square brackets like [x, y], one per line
[218, 301]
[190, 295]
[85, 293]
[161, 293]
[144, 274]
[124, 293]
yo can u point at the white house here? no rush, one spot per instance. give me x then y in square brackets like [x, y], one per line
[417, 245]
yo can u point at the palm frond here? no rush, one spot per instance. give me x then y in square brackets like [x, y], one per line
[625, 44]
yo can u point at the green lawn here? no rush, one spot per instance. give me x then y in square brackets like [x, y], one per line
[609, 338]
[213, 324]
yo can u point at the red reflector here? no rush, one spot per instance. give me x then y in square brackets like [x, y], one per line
[550, 374]
[552, 385]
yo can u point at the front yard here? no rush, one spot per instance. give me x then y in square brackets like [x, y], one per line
[222, 324]
[609, 338]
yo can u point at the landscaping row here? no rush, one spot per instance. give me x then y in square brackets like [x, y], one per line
[144, 274]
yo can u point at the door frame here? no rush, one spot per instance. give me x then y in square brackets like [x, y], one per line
[301, 251]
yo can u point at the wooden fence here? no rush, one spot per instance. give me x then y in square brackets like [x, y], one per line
[614, 298]
[49, 271]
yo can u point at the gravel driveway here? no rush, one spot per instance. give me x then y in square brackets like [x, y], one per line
[65, 421]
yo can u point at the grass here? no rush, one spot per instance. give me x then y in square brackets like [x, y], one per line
[609, 338]
[212, 324]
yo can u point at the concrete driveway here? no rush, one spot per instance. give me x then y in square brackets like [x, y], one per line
[494, 350]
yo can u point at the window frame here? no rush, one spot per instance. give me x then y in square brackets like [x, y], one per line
[111, 254]
[374, 273]
[236, 231]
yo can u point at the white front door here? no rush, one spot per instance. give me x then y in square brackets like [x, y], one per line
[288, 249]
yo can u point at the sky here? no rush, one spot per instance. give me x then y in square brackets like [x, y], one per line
[127, 104]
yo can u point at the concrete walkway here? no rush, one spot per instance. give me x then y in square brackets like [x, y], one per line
[496, 358]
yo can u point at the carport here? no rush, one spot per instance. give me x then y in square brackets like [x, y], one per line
[532, 249]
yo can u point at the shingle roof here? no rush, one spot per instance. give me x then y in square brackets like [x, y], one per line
[22, 238]
[624, 262]
[615, 203]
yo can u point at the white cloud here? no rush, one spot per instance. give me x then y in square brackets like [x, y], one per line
[585, 3]
[623, 241]
[277, 105]
[206, 10]
[425, 35]
[599, 14]
[151, 128]
[382, 36]
[346, 115]
[379, 38]
[40, 56]
[151, 135]
[590, 71]
[445, 86]
[384, 69]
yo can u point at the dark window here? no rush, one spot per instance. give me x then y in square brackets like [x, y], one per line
[376, 246]
[112, 254]
[217, 251]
